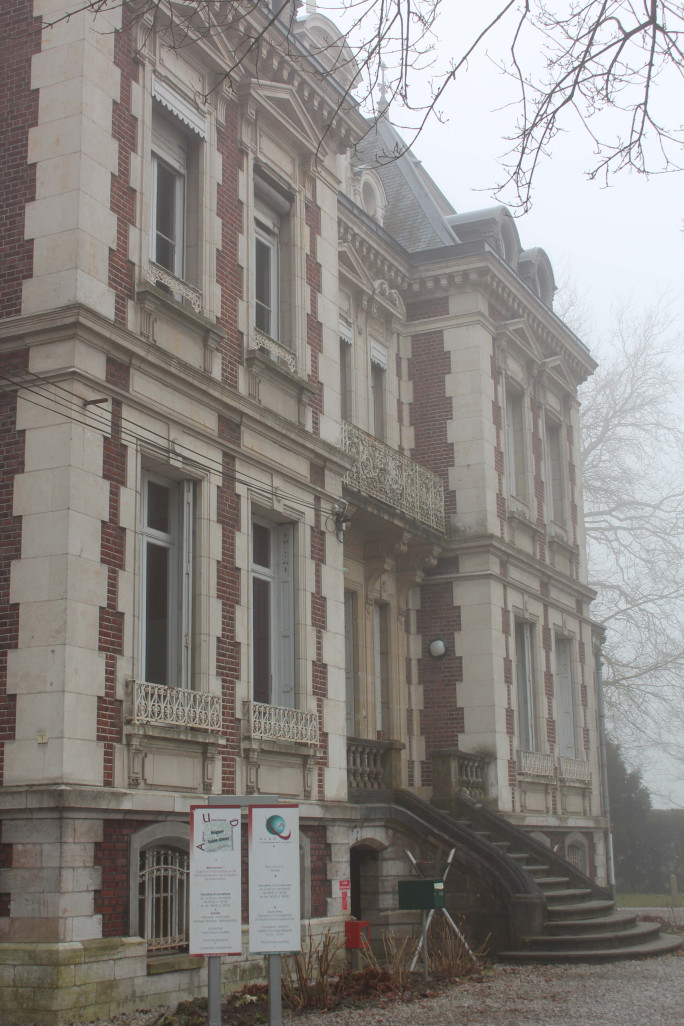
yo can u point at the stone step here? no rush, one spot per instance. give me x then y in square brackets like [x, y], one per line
[567, 895]
[660, 945]
[552, 883]
[610, 939]
[583, 909]
[614, 921]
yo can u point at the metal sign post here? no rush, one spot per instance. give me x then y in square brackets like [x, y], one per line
[218, 841]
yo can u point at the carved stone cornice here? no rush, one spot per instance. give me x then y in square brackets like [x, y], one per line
[376, 263]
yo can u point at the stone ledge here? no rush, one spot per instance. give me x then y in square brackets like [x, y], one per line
[174, 963]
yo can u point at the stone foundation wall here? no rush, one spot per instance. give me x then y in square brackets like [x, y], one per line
[55, 984]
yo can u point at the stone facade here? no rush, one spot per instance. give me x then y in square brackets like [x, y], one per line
[272, 422]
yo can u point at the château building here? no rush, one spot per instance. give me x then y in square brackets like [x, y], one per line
[290, 504]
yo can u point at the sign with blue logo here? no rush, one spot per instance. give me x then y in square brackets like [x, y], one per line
[274, 911]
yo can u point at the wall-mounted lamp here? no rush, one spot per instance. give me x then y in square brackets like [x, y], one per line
[438, 648]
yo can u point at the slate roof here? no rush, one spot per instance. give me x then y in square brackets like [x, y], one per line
[416, 209]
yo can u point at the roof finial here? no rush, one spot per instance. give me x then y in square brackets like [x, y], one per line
[384, 102]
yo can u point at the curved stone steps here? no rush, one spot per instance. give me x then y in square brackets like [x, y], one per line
[613, 921]
[630, 937]
[660, 945]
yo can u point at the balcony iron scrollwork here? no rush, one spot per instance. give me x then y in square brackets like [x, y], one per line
[387, 475]
[175, 707]
[536, 764]
[159, 275]
[278, 723]
[577, 770]
[259, 340]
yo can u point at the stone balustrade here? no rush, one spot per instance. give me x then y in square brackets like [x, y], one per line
[373, 765]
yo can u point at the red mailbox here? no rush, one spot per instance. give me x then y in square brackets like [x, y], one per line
[356, 934]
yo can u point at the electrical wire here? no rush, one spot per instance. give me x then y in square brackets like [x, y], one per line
[72, 408]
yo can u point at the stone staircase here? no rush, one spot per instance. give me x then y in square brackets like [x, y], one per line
[555, 912]
[580, 924]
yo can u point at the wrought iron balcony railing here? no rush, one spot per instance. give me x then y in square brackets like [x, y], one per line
[536, 764]
[175, 707]
[397, 480]
[575, 769]
[177, 287]
[278, 723]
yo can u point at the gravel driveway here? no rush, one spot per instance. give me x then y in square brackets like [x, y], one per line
[641, 993]
[649, 992]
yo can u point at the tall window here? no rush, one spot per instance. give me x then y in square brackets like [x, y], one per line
[169, 176]
[345, 370]
[166, 581]
[378, 382]
[377, 402]
[564, 698]
[273, 613]
[381, 669]
[524, 678]
[350, 661]
[267, 271]
[554, 472]
[515, 444]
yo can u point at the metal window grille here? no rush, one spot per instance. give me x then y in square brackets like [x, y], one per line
[575, 856]
[163, 898]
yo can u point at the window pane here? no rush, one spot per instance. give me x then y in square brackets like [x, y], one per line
[166, 217]
[261, 545]
[158, 507]
[263, 285]
[261, 639]
[157, 615]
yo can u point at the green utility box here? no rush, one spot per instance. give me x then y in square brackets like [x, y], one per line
[422, 894]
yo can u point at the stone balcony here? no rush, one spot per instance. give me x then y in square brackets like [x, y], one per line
[373, 765]
[383, 473]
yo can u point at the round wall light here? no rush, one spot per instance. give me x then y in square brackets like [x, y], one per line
[437, 648]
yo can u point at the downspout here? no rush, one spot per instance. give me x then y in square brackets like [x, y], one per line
[605, 798]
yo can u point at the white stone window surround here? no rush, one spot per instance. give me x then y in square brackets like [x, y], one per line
[555, 474]
[166, 579]
[157, 835]
[273, 604]
[192, 281]
[568, 708]
[278, 235]
[525, 685]
[517, 442]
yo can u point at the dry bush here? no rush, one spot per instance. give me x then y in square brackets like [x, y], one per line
[309, 979]
[449, 958]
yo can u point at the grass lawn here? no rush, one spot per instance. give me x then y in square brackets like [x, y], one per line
[646, 901]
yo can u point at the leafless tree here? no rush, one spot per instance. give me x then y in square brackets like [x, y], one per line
[633, 458]
[602, 66]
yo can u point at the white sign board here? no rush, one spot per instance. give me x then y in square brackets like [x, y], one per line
[274, 912]
[215, 880]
